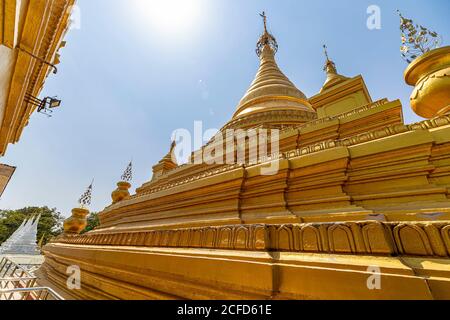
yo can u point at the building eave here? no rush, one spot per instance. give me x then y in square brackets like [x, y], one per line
[44, 27]
[6, 171]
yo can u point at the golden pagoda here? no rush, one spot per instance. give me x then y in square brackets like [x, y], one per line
[357, 195]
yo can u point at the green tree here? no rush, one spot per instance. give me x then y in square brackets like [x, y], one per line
[92, 222]
[50, 224]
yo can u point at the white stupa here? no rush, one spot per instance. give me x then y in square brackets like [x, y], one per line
[23, 240]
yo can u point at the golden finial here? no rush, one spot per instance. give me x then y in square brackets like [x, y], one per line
[127, 175]
[122, 193]
[330, 67]
[173, 146]
[266, 39]
[78, 222]
[416, 39]
[263, 15]
[86, 197]
[326, 52]
[170, 156]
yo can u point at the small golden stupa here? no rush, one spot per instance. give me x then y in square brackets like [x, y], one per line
[356, 190]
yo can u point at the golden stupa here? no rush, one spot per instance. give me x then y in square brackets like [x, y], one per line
[358, 194]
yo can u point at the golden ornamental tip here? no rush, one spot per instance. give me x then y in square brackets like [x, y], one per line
[86, 197]
[330, 66]
[127, 175]
[416, 39]
[266, 38]
[326, 51]
[263, 15]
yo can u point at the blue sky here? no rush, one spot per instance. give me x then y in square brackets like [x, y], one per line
[134, 72]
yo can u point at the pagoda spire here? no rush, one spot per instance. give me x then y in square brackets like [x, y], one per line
[263, 15]
[267, 40]
[330, 66]
[167, 163]
[333, 77]
[170, 156]
[270, 83]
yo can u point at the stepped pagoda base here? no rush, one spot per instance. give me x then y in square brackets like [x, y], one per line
[309, 261]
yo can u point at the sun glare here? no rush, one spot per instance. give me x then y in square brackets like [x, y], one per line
[170, 16]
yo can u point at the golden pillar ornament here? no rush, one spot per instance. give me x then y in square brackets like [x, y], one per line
[78, 221]
[430, 76]
[428, 71]
[122, 193]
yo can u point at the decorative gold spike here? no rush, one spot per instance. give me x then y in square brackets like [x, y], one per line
[266, 39]
[330, 66]
[263, 15]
